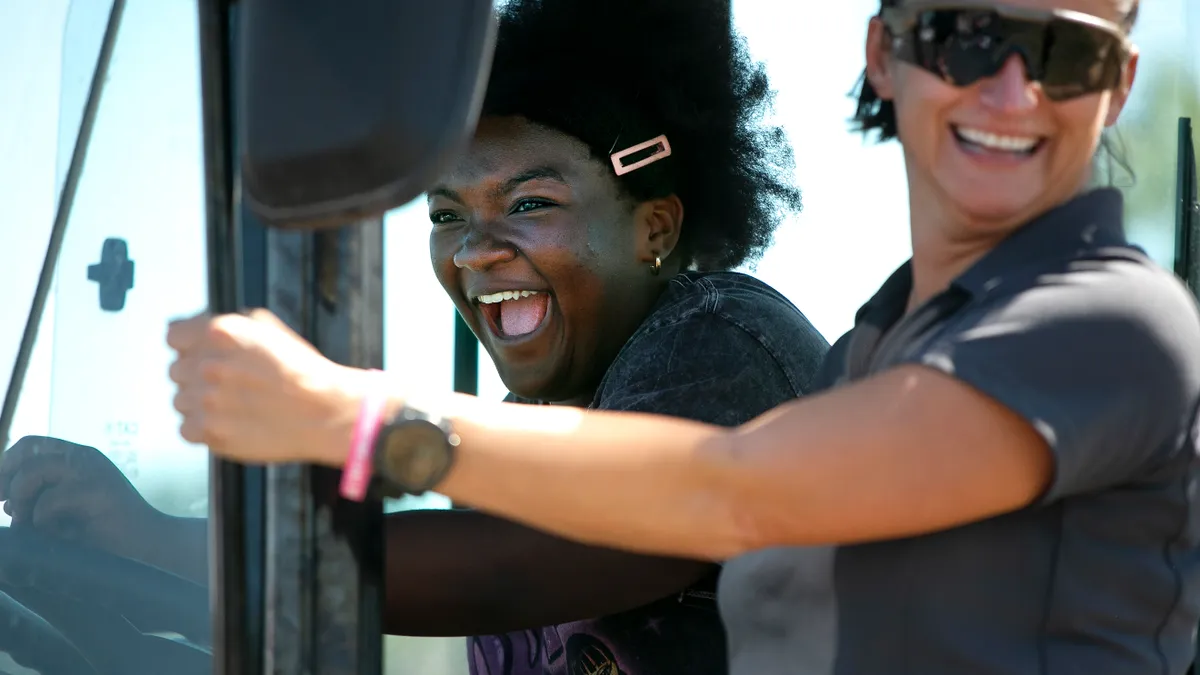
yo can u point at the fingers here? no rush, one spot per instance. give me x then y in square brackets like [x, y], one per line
[200, 396]
[38, 473]
[267, 317]
[184, 334]
[28, 449]
[60, 510]
[206, 331]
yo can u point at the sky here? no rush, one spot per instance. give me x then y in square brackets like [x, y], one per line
[100, 378]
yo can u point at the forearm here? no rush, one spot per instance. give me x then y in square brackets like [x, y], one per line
[518, 462]
[879, 459]
[453, 573]
[181, 548]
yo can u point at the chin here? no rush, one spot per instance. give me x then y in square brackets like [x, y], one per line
[996, 200]
[527, 383]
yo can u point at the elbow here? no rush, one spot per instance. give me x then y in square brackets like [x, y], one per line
[735, 491]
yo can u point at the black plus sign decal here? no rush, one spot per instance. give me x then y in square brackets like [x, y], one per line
[114, 274]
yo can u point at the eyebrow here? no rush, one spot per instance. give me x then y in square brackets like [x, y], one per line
[536, 173]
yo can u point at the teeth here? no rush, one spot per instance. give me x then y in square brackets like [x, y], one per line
[997, 142]
[504, 295]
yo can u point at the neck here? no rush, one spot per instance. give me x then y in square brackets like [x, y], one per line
[578, 401]
[947, 241]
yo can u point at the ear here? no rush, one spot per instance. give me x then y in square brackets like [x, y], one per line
[657, 224]
[879, 59]
[1120, 95]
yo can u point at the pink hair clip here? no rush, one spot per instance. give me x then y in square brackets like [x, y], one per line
[662, 151]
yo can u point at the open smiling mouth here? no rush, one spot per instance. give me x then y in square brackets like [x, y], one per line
[983, 143]
[516, 314]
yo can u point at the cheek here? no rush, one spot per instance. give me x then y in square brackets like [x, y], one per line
[922, 102]
[441, 259]
[1080, 122]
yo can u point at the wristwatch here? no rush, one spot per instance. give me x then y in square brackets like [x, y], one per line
[413, 453]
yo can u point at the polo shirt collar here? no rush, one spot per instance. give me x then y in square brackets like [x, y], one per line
[1090, 221]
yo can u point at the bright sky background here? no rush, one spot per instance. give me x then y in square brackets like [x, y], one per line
[100, 378]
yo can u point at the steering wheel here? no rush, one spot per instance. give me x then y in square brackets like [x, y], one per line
[83, 611]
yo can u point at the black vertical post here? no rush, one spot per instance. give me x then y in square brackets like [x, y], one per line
[466, 358]
[1187, 209]
[1187, 229]
[324, 555]
[236, 652]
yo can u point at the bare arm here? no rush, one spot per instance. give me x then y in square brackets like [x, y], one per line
[187, 553]
[1028, 402]
[814, 471]
[453, 573]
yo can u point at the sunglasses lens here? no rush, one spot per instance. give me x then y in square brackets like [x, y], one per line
[965, 45]
[1080, 60]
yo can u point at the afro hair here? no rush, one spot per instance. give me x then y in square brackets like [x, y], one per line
[616, 73]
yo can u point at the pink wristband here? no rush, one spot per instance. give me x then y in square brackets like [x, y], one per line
[356, 475]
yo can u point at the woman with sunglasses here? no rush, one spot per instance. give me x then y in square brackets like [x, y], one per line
[999, 475]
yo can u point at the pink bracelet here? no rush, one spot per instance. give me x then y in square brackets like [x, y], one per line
[356, 475]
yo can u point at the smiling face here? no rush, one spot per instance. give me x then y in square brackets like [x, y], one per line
[545, 259]
[997, 152]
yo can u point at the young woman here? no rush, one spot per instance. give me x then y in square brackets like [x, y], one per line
[590, 283]
[1000, 475]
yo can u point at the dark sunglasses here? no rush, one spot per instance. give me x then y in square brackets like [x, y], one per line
[1069, 53]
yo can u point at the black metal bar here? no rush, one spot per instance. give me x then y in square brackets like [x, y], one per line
[1187, 230]
[466, 358]
[58, 231]
[234, 650]
[252, 237]
[348, 535]
[1187, 209]
[324, 555]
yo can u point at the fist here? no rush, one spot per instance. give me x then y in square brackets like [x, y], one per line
[253, 391]
[75, 492]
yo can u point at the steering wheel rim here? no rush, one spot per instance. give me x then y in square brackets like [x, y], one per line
[34, 635]
[148, 597]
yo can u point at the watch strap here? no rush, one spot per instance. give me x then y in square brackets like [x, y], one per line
[356, 474]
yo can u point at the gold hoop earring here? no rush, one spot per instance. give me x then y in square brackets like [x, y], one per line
[657, 266]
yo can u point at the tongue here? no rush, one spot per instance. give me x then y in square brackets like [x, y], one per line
[524, 315]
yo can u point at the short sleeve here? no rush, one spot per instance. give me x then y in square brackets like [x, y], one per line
[701, 367]
[1102, 363]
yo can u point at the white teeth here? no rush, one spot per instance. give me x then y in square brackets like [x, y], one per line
[504, 295]
[996, 142]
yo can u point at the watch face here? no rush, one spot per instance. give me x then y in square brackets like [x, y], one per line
[416, 454]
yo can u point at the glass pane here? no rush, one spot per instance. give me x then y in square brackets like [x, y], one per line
[31, 34]
[104, 495]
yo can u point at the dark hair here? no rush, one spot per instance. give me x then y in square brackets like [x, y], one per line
[874, 114]
[615, 73]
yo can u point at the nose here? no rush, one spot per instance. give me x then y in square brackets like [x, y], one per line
[1009, 90]
[479, 251]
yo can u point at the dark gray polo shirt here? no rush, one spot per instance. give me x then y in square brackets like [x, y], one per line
[1099, 349]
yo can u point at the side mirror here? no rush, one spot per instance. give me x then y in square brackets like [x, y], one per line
[352, 108]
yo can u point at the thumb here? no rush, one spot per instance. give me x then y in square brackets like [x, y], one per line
[64, 512]
[268, 318]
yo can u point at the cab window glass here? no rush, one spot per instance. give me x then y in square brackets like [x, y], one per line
[102, 492]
